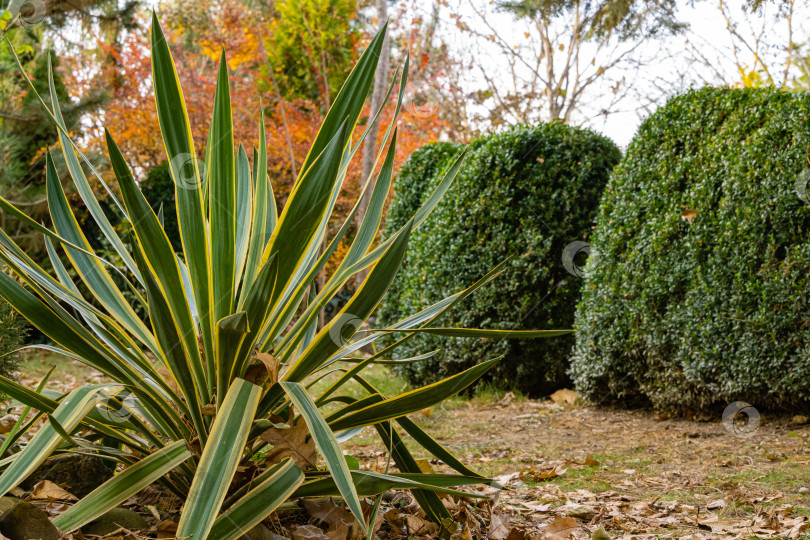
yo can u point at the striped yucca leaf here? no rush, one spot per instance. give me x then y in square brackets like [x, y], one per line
[240, 298]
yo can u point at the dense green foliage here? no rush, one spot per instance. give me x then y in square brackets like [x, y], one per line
[158, 189]
[527, 193]
[314, 43]
[12, 333]
[700, 293]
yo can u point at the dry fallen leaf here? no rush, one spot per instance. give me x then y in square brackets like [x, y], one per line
[294, 442]
[565, 397]
[167, 529]
[716, 505]
[506, 400]
[417, 525]
[339, 521]
[562, 527]
[498, 525]
[48, 491]
[551, 470]
[590, 462]
[308, 532]
[7, 422]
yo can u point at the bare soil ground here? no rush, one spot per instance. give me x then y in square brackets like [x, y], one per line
[634, 473]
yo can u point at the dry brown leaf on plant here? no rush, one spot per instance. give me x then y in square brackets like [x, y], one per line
[425, 466]
[264, 369]
[167, 377]
[294, 442]
[689, 215]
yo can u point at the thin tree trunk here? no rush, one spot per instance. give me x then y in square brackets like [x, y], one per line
[370, 143]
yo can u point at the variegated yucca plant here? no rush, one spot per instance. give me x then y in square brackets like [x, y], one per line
[205, 391]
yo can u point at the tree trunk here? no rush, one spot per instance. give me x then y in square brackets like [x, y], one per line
[370, 143]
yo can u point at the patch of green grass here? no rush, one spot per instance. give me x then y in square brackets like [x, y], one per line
[36, 363]
[788, 476]
[378, 375]
[486, 394]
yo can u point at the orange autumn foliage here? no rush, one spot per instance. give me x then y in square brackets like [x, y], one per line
[131, 117]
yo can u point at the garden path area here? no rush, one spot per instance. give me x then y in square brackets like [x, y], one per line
[635, 473]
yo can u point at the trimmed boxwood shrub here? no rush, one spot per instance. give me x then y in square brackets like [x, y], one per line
[527, 192]
[699, 296]
[418, 176]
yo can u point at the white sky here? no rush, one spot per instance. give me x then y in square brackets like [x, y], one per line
[669, 70]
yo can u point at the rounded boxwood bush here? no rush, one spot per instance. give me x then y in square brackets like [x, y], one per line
[525, 193]
[418, 176]
[699, 295]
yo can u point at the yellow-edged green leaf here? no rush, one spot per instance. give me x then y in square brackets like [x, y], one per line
[278, 484]
[327, 445]
[415, 400]
[484, 333]
[357, 310]
[244, 213]
[295, 237]
[231, 332]
[83, 186]
[257, 306]
[165, 285]
[265, 213]
[369, 483]
[70, 412]
[222, 197]
[91, 271]
[349, 102]
[122, 486]
[184, 169]
[362, 241]
[219, 460]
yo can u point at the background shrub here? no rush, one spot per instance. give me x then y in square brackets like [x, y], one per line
[526, 192]
[158, 188]
[13, 329]
[700, 294]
